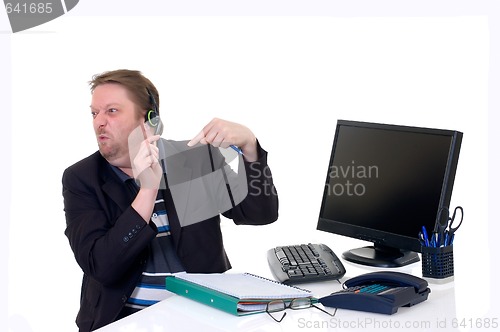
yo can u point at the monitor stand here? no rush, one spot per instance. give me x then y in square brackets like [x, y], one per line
[381, 256]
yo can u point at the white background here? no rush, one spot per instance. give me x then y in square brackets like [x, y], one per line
[287, 76]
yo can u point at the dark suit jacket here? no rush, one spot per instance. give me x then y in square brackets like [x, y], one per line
[110, 240]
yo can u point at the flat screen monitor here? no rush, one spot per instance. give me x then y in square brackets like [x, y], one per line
[384, 182]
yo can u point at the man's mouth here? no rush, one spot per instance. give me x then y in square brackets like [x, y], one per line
[102, 138]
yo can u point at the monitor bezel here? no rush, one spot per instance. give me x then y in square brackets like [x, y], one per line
[383, 238]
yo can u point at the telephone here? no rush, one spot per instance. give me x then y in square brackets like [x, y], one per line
[379, 292]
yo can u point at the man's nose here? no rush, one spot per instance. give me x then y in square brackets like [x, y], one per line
[100, 120]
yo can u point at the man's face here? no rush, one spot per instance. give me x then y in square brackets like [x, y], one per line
[115, 117]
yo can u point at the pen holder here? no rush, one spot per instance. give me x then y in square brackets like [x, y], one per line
[437, 262]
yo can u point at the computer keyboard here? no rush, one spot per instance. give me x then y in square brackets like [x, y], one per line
[304, 263]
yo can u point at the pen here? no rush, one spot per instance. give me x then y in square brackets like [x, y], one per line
[424, 234]
[421, 239]
[449, 239]
[237, 149]
[436, 240]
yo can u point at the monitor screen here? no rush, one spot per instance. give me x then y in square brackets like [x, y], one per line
[384, 182]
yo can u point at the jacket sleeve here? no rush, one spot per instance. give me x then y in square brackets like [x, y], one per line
[107, 242]
[260, 205]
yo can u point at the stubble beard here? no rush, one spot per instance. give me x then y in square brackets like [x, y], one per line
[110, 153]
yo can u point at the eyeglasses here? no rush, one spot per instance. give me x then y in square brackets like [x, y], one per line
[295, 304]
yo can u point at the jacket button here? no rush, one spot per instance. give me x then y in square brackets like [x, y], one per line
[124, 299]
[125, 239]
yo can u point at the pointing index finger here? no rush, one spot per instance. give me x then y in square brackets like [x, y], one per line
[196, 139]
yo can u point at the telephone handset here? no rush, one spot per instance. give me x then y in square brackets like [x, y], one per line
[389, 278]
[380, 292]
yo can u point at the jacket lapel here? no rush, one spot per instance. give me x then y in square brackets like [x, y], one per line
[114, 187]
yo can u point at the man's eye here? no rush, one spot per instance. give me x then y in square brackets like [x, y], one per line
[94, 114]
[112, 110]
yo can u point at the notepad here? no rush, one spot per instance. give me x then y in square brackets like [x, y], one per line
[245, 285]
[236, 293]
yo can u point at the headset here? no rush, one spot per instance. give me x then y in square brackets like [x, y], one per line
[152, 116]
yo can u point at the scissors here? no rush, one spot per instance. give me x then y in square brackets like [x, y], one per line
[450, 233]
[444, 233]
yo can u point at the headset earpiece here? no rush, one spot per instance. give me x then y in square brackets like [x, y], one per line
[152, 118]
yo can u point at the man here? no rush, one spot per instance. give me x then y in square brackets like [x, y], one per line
[122, 223]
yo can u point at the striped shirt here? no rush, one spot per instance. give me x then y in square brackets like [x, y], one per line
[162, 258]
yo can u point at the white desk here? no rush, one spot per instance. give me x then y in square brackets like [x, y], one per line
[180, 314]
[176, 313]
